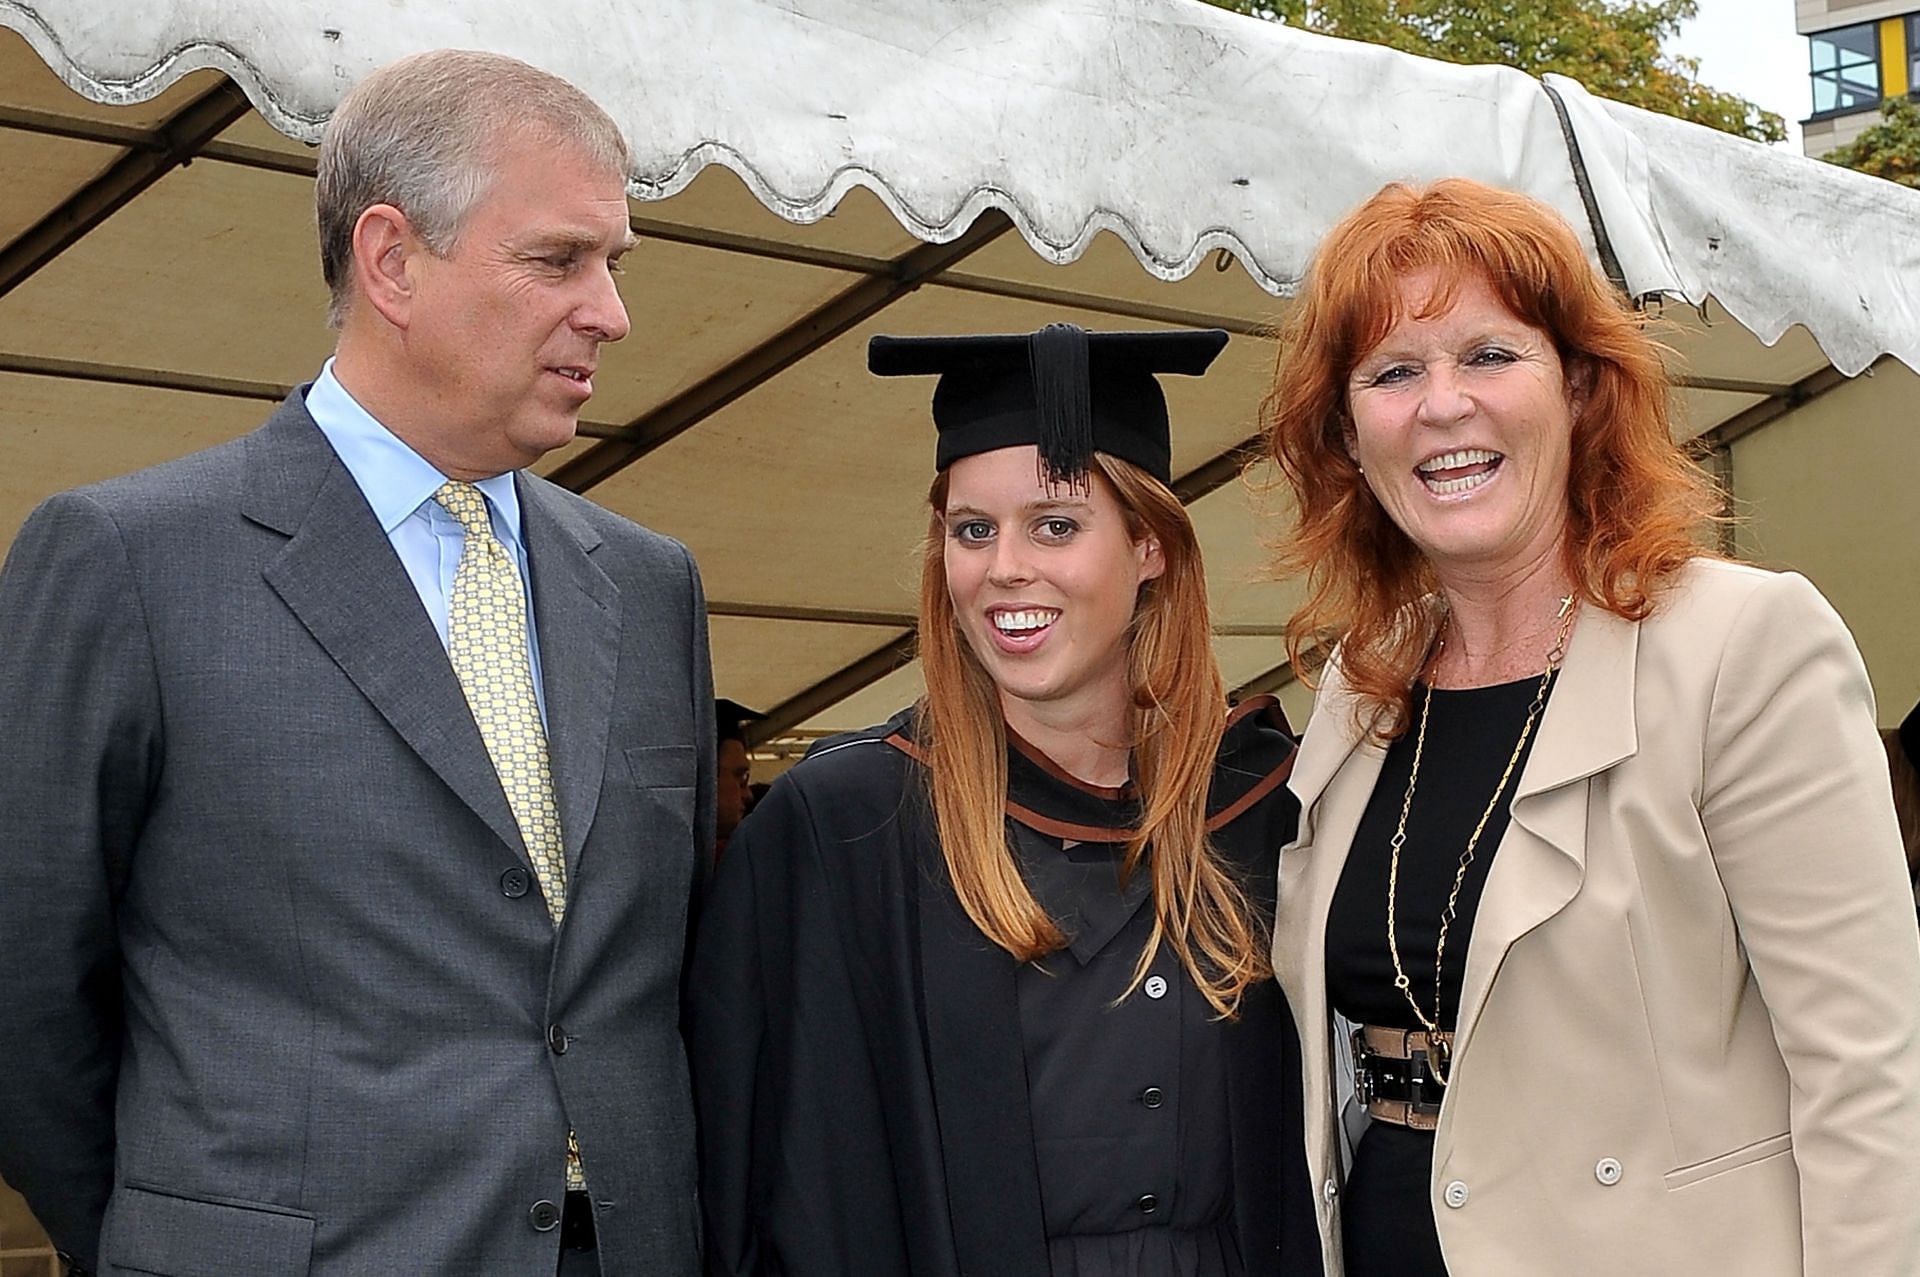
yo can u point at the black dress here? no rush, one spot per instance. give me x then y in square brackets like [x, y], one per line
[1387, 1215]
[883, 1092]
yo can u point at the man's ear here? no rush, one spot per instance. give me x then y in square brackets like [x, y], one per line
[384, 249]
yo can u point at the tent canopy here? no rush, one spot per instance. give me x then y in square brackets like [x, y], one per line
[810, 172]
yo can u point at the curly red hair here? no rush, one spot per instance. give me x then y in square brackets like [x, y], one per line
[1636, 503]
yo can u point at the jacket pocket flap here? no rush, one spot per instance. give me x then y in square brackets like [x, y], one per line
[661, 766]
[157, 1232]
[1745, 1155]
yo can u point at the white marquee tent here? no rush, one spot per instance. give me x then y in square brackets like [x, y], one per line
[811, 172]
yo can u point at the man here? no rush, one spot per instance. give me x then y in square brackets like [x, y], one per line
[355, 780]
[734, 788]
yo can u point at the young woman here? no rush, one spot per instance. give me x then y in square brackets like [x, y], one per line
[985, 989]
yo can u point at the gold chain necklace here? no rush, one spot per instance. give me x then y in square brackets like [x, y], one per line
[1440, 1056]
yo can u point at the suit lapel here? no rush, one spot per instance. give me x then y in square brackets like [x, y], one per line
[978, 1061]
[576, 611]
[339, 575]
[1588, 726]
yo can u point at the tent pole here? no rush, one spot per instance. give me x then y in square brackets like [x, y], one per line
[805, 335]
[173, 145]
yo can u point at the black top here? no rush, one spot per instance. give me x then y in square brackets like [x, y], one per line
[884, 1093]
[1471, 732]
[1127, 1094]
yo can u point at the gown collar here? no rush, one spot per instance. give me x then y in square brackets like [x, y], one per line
[1253, 760]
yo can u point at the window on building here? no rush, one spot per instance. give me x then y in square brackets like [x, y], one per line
[1913, 53]
[1846, 69]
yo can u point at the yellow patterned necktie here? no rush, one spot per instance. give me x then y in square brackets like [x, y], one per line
[487, 643]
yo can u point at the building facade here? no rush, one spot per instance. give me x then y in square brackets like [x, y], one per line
[1861, 52]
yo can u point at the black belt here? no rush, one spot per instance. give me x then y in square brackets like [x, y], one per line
[576, 1223]
[1393, 1074]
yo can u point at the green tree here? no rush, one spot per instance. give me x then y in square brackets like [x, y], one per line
[1613, 47]
[1890, 149]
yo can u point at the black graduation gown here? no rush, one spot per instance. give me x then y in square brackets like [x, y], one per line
[857, 1053]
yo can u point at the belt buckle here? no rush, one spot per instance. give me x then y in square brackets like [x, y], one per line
[1423, 1081]
[1363, 1057]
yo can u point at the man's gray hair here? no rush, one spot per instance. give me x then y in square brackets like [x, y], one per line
[423, 135]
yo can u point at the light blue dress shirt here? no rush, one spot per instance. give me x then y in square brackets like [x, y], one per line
[399, 484]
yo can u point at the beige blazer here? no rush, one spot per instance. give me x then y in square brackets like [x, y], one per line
[1689, 1039]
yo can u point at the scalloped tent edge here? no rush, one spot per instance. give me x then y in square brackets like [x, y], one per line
[1691, 213]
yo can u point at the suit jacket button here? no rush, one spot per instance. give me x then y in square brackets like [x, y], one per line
[1148, 1203]
[1153, 1097]
[1607, 1171]
[1456, 1195]
[544, 1216]
[557, 1039]
[514, 883]
[1156, 987]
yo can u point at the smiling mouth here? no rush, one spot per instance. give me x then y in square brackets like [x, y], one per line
[1024, 623]
[1453, 473]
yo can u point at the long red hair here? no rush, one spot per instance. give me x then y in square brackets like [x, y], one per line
[1178, 714]
[1636, 502]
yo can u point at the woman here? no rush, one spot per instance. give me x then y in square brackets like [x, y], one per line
[1596, 852]
[985, 989]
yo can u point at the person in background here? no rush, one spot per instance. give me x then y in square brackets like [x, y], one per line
[984, 989]
[733, 791]
[356, 779]
[1596, 849]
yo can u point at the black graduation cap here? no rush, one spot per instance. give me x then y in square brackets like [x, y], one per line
[1068, 391]
[731, 718]
[1910, 736]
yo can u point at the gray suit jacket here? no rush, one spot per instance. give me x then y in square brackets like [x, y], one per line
[275, 996]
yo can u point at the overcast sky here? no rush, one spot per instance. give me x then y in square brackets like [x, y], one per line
[1749, 47]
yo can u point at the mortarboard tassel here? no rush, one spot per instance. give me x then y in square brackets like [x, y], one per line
[1063, 399]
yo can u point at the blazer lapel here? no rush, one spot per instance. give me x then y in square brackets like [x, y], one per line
[978, 1061]
[339, 575]
[576, 610]
[1333, 779]
[1588, 726]
[1330, 739]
